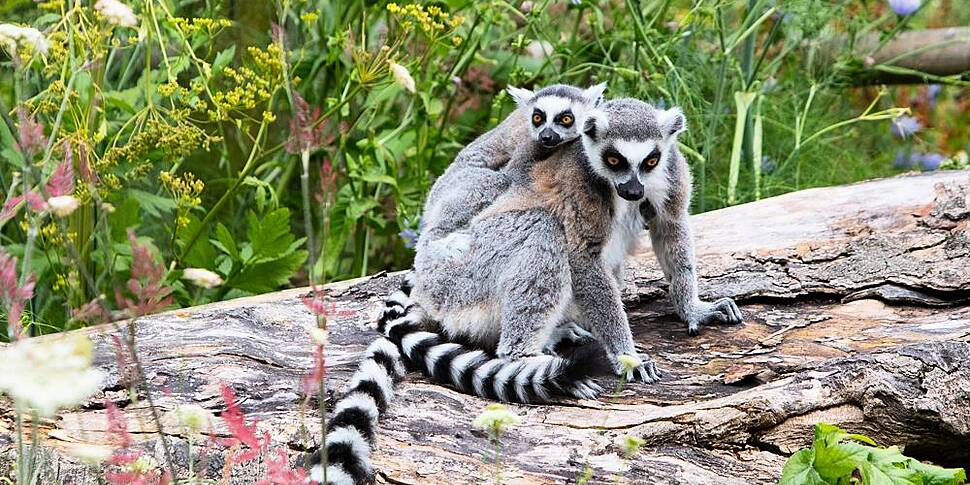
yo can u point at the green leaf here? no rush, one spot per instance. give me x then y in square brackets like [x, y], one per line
[154, 205]
[839, 460]
[888, 474]
[126, 100]
[798, 470]
[935, 475]
[268, 276]
[359, 207]
[124, 216]
[225, 242]
[203, 254]
[223, 59]
[270, 236]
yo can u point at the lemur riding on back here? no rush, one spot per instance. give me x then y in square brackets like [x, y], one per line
[547, 117]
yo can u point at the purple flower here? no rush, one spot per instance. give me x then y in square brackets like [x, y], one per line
[904, 7]
[410, 237]
[932, 92]
[903, 160]
[931, 161]
[905, 126]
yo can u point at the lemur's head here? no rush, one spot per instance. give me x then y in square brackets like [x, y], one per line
[629, 143]
[556, 112]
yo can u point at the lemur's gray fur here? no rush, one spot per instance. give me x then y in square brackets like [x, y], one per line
[548, 117]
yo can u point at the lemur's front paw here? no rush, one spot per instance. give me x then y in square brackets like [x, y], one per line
[721, 311]
[637, 368]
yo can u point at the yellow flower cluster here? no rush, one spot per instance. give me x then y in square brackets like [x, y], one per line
[158, 140]
[186, 190]
[249, 86]
[310, 17]
[199, 24]
[432, 19]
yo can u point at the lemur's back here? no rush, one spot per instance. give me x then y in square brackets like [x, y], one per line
[563, 185]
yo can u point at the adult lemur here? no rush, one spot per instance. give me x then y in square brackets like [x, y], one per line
[546, 253]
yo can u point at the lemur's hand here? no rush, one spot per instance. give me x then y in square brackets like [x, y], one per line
[567, 332]
[721, 311]
[636, 368]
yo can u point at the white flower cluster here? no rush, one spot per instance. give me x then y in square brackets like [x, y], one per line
[49, 374]
[13, 37]
[116, 13]
[202, 277]
[402, 76]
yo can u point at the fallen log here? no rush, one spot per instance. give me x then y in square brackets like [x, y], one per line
[856, 314]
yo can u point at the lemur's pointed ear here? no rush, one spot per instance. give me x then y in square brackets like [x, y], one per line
[594, 124]
[521, 96]
[672, 122]
[594, 94]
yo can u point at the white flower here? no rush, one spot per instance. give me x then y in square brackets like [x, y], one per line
[90, 454]
[317, 334]
[402, 76]
[13, 37]
[495, 418]
[116, 13]
[202, 277]
[49, 374]
[539, 49]
[193, 418]
[63, 205]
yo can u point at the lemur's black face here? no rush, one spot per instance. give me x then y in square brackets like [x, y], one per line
[554, 119]
[622, 169]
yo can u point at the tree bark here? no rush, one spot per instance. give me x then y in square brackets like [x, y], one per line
[857, 313]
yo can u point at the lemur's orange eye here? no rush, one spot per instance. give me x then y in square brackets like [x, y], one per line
[537, 118]
[613, 161]
[566, 120]
[652, 161]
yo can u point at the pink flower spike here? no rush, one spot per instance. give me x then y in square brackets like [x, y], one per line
[12, 295]
[62, 180]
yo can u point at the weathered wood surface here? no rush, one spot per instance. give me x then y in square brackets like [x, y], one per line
[856, 313]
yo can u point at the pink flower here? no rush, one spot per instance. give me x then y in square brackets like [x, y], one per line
[242, 433]
[32, 140]
[305, 136]
[14, 296]
[146, 283]
[278, 471]
[311, 382]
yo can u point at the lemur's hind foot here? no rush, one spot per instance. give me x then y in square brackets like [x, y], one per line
[533, 379]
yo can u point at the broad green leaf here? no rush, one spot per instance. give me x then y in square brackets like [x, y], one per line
[935, 475]
[264, 277]
[839, 460]
[270, 235]
[154, 205]
[203, 254]
[225, 242]
[126, 100]
[124, 216]
[359, 207]
[888, 474]
[798, 470]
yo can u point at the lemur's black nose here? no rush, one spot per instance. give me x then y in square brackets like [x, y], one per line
[549, 138]
[630, 190]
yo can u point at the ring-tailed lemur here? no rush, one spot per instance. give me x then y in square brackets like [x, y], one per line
[475, 178]
[548, 117]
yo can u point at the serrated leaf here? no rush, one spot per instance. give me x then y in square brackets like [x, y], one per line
[798, 470]
[225, 242]
[839, 460]
[154, 205]
[270, 235]
[936, 475]
[888, 474]
[265, 277]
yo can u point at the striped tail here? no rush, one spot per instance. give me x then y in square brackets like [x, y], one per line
[534, 379]
[351, 430]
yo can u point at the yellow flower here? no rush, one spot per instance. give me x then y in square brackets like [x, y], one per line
[402, 76]
[456, 40]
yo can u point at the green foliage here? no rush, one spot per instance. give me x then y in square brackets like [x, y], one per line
[838, 458]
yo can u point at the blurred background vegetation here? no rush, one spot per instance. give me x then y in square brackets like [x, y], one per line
[281, 143]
